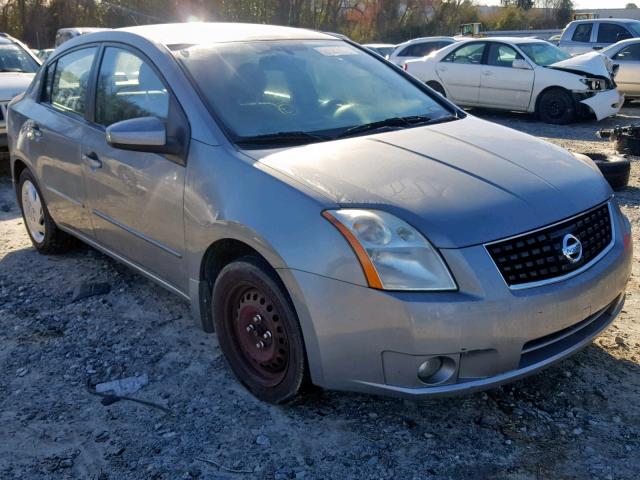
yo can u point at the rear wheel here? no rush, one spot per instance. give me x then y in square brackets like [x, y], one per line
[258, 330]
[437, 87]
[556, 106]
[46, 237]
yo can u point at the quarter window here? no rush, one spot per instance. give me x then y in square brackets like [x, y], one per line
[630, 53]
[66, 89]
[128, 88]
[612, 33]
[582, 32]
[501, 55]
[471, 53]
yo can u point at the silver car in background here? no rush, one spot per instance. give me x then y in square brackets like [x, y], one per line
[626, 54]
[334, 220]
[18, 66]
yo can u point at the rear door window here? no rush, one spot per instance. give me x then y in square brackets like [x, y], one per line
[582, 32]
[471, 53]
[66, 87]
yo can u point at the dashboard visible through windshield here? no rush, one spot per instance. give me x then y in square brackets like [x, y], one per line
[305, 91]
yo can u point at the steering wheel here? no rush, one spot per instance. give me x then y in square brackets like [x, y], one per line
[344, 110]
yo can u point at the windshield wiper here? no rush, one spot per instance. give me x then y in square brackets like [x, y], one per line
[393, 122]
[16, 70]
[282, 138]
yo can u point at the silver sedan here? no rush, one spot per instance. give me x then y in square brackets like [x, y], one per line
[333, 219]
[626, 54]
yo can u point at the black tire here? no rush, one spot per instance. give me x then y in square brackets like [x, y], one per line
[54, 240]
[556, 106]
[245, 289]
[616, 169]
[437, 87]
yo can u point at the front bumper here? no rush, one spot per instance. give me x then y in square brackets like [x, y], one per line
[372, 341]
[605, 104]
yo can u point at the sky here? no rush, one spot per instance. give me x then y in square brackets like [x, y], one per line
[582, 3]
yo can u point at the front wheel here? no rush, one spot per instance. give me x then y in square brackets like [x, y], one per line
[46, 237]
[258, 330]
[556, 106]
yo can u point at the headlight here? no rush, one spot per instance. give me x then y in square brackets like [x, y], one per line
[595, 83]
[393, 254]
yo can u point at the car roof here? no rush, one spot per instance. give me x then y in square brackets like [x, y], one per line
[197, 33]
[514, 40]
[425, 39]
[378, 45]
[600, 20]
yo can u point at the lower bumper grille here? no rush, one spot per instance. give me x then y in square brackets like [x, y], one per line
[542, 348]
[542, 256]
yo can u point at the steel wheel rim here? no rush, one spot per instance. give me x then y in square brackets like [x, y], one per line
[556, 108]
[259, 335]
[33, 212]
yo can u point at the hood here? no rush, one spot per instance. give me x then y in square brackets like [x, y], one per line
[591, 63]
[461, 183]
[13, 83]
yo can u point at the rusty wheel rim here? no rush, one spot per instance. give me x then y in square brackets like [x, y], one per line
[260, 335]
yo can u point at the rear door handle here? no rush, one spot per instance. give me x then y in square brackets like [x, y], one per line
[597, 48]
[92, 160]
[487, 72]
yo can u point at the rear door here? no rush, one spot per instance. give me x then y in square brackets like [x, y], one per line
[460, 72]
[628, 76]
[136, 198]
[55, 134]
[501, 85]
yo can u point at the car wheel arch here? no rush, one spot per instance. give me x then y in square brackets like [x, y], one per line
[219, 254]
[18, 167]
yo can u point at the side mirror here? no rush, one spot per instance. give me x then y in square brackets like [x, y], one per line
[521, 64]
[144, 134]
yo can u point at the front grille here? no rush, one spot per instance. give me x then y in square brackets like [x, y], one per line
[537, 256]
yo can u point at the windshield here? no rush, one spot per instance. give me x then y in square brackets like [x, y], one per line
[543, 54]
[15, 59]
[315, 89]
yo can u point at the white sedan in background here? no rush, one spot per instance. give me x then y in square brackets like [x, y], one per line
[522, 74]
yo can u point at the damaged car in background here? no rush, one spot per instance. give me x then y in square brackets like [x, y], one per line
[522, 74]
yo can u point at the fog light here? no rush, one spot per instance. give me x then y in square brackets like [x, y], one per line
[436, 370]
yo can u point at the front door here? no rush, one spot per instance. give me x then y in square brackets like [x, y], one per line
[460, 73]
[54, 138]
[136, 198]
[628, 76]
[501, 85]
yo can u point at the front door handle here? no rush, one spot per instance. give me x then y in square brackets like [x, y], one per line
[487, 72]
[597, 48]
[92, 160]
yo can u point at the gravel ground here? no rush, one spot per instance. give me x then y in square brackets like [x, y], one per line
[579, 419]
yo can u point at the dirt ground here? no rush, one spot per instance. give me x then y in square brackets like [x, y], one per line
[579, 419]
